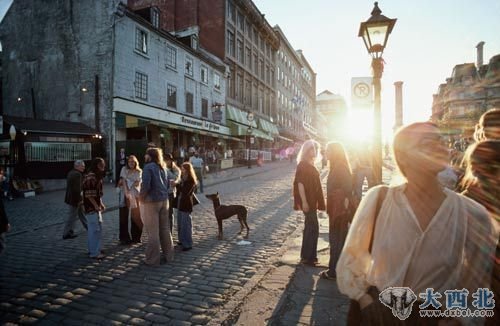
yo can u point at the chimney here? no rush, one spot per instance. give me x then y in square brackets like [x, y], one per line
[399, 105]
[479, 48]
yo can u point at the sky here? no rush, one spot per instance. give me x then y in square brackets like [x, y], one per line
[430, 37]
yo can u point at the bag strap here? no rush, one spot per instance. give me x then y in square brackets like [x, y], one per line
[380, 199]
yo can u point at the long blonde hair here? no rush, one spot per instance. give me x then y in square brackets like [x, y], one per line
[308, 149]
[190, 171]
[136, 162]
[156, 155]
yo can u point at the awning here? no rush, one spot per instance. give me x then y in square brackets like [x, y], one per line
[49, 126]
[238, 116]
[284, 138]
[268, 126]
[241, 130]
[261, 134]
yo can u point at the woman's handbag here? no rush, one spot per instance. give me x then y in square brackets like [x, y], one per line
[196, 201]
[354, 313]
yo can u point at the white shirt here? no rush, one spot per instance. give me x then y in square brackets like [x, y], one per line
[444, 256]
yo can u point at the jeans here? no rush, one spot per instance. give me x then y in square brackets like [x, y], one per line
[186, 229]
[308, 252]
[171, 200]
[156, 224]
[337, 232]
[74, 213]
[94, 232]
[199, 176]
[3, 242]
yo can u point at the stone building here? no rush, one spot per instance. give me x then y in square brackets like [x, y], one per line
[237, 33]
[82, 77]
[296, 87]
[471, 90]
[333, 109]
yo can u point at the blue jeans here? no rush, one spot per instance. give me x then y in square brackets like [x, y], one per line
[337, 234]
[309, 249]
[94, 238]
[186, 229]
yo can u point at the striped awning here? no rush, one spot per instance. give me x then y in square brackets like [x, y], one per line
[238, 116]
[241, 130]
[268, 127]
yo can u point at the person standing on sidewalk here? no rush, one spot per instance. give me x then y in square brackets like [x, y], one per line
[130, 184]
[73, 199]
[185, 206]
[93, 205]
[338, 197]
[174, 175]
[308, 197]
[197, 163]
[154, 208]
[417, 235]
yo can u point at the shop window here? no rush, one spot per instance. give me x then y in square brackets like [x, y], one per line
[57, 152]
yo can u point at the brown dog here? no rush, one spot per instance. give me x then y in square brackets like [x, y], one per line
[223, 212]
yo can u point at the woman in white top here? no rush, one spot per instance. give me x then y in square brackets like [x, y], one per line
[130, 183]
[425, 236]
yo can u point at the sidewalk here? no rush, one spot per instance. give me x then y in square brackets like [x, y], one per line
[289, 293]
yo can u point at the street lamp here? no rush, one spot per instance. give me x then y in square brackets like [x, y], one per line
[250, 118]
[375, 32]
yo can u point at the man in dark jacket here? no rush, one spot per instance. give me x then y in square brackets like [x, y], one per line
[74, 200]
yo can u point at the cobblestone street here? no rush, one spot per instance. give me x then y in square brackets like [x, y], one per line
[46, 279]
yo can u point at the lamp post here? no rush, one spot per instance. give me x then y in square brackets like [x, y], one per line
[375, 32]
[250, 118]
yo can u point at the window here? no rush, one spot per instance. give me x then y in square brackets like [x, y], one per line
[230, 43]
[255, 64]
[171, 57]
[262, 45]
[204, 74]
[194, 42]
[155, 17]
[239, 82]
[248, 55]
[249, 29]
[272, 77]
[217, 81]
[230, 11]
[189, 66]
[171, 96]
[57, 152]
[141, 86]
[204, 108]
[256, 37]
[141, 40]
[241, 22]
[248, 92]
[189, 102]
[239, 54]
[262, 68]
[268, 75]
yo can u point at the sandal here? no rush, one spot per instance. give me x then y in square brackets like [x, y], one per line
[324, 275]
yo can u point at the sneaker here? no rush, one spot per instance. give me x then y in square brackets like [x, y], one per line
[187, 249]
[69, 236]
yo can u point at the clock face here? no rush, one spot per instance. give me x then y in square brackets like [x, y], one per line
[250, 116]
[361, 90]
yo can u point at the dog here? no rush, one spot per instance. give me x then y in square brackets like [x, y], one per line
[223, 212]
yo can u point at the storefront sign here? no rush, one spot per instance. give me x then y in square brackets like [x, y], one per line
[155, 114]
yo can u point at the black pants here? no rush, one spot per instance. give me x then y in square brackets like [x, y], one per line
[171, 200]
[135, 225]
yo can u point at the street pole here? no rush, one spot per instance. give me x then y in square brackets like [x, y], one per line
[249, 132]
[378, 68]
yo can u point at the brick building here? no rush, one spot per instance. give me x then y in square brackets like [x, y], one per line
[237, 33]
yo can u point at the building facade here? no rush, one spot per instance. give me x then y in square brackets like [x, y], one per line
[295, 82]
[332, 109]
[238, 34]
[471, 90]
[105, 78]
